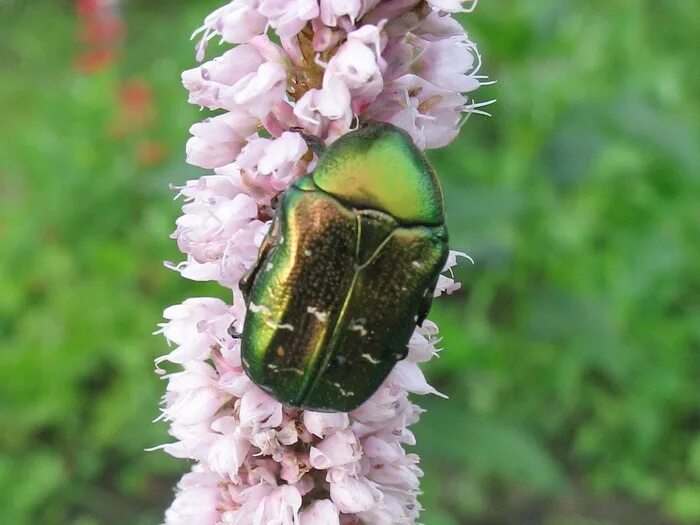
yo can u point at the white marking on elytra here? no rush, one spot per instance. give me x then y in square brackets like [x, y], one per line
[277, 369]
[344, 393]
[358, 325]
[269, 266]
[285, 326]
[321, 316]
[307, 253]
[267, 313]
[371, 359]
[416, 264]
[256, 308]
[358, 328]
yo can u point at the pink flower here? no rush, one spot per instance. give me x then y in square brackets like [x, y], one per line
[446, 63]
[193, 325]
[340, 63]
[207, 81]
[358, 64]
[318, 107]
[320, 512]
[192, 395]
[453, 6]
[331, 102]
[259, 91]
[228, 447]
[353, 494]
[393, 10]
[281, 507]
[421, 347]
[435, 27]
[398, 55]
[319, 424]
[236, 22]
[212, 225]
[257, 410]
[431, 115]
[274, 164]
[331, 10]
[408, 376]
[340, 448]
[447, 284]
[250, 77]
[197, 500]
[217, 141]
[288, 17]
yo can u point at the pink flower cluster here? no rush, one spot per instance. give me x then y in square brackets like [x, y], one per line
[340, 62]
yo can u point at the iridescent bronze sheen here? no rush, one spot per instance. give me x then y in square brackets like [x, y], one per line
[345, 273]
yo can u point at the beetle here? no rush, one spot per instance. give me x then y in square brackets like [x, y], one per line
[346, 271]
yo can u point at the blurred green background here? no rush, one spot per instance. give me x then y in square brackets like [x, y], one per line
[572, 353]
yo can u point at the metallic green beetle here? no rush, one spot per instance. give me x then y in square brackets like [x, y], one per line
[345, 273]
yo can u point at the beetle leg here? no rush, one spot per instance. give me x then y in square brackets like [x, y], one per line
[440, 237]
[424, 309]
[316, 144]
[426, 303]
[246, 282]
[232, 332]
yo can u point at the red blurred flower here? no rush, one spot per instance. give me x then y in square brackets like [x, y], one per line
[136, 111]
[150, 153]
[100, 31]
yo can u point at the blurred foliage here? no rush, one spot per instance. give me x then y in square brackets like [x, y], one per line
[571, 355]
